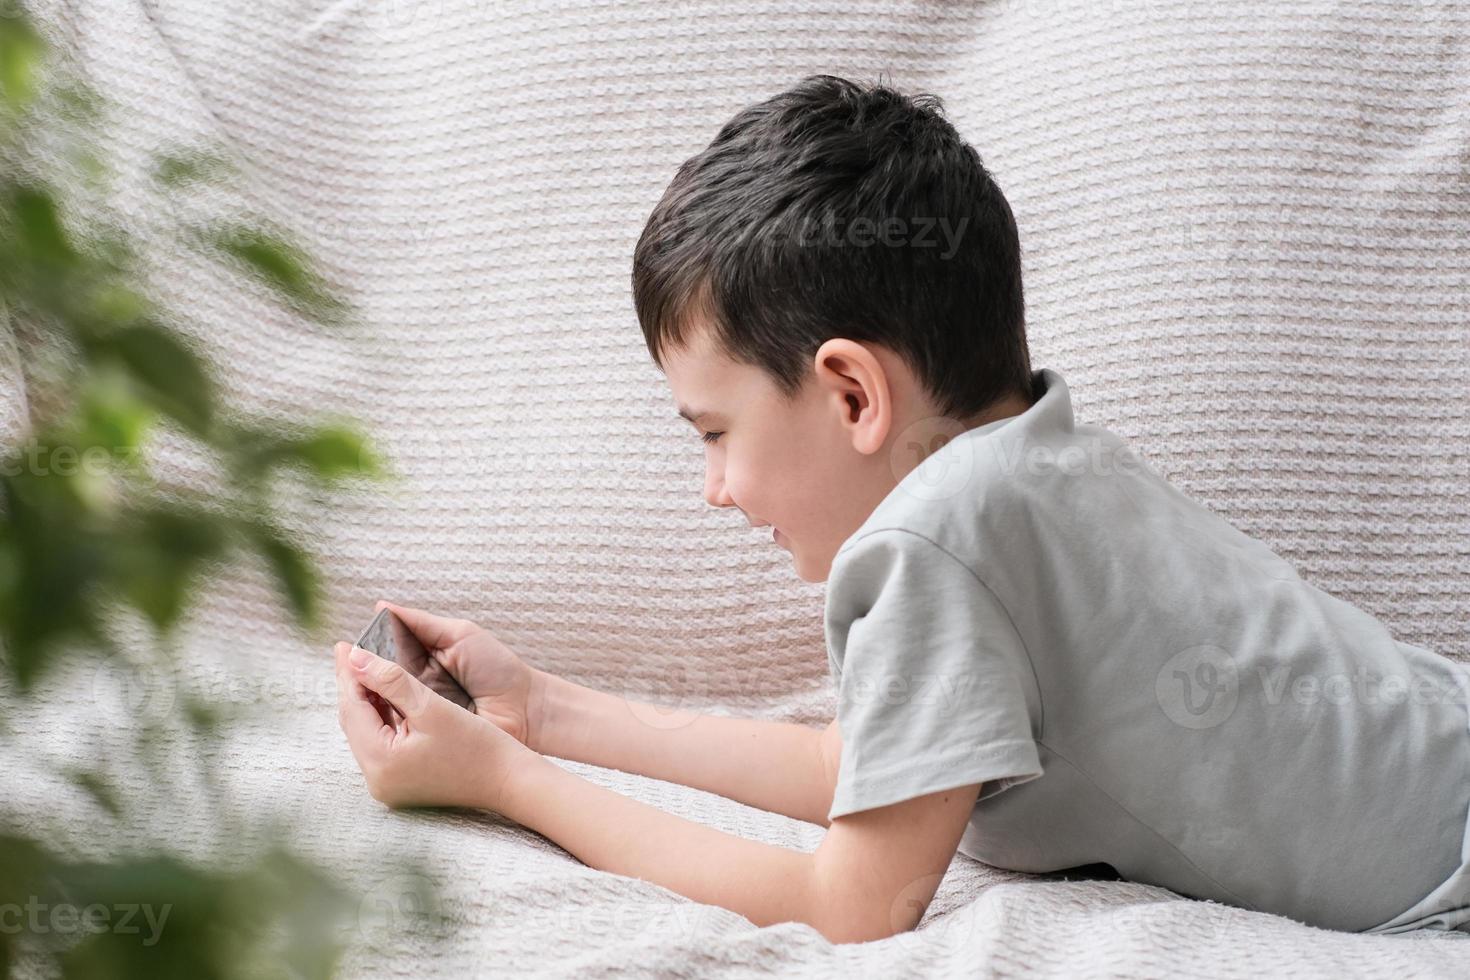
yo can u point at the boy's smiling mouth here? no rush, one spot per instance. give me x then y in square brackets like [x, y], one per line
[775, 531]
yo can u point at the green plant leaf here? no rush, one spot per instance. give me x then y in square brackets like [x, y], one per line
[191, 167]
[293, 572]
[332, 452]
[328, 453]
[21, 51]
[200, 922]
[158, 555]
[38, 227]
[111, 415]
[97, 787]
[118, 304]
[51, 599]
[172, 375]
[201, 714]
[282, 266]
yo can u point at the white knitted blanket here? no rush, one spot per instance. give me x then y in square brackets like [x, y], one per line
[1246, 231]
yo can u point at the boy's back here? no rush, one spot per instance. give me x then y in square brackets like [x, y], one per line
[1034, 598]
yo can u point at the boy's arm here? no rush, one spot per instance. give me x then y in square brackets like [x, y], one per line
[777, 766]
[872, 876]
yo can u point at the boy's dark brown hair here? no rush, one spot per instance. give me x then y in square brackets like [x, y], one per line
[836, 209]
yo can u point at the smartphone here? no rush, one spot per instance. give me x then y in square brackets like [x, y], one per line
[390, 638]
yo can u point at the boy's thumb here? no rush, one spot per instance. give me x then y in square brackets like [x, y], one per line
[396, 686]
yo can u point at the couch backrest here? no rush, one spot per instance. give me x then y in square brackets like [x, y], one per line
[1246, 232]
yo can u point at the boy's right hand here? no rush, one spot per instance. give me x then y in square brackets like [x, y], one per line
[489, 671]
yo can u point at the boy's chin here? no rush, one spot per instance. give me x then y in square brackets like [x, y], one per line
[807, 573]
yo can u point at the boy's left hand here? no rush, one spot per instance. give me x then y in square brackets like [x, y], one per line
[438, 755]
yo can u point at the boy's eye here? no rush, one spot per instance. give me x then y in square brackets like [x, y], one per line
[709, 437]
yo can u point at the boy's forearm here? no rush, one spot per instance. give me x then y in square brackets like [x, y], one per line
[775, 766]
[611, 832]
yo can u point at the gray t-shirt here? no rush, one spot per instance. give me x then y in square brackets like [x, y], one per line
[1136, 682]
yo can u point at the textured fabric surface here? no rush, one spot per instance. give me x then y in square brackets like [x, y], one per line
[1246, 235]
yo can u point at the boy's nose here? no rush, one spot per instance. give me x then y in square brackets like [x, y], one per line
[714, 492]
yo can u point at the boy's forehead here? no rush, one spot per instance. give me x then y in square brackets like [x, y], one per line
[697, 350]
[697, 373]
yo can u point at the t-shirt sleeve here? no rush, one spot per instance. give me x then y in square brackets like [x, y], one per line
[934, 686]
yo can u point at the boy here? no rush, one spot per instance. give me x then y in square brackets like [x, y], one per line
[1046, 656]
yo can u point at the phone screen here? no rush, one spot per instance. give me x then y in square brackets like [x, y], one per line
[390, 638]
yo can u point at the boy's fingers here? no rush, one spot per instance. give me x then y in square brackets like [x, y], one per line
[360, 720]
[357, 716]
[397, 687]
[343, 670]
[432, 630]
[347, 682]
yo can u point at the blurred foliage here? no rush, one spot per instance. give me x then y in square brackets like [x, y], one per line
[87, 531]
[159, 917]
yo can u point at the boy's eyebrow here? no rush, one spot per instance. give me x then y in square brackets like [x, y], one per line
[694, 416]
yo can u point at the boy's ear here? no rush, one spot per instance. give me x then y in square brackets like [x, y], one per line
[853, 379]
